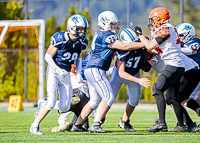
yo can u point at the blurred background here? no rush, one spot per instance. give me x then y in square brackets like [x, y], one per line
[19, 68]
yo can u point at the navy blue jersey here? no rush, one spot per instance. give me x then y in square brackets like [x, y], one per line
[194, 44]
[101, 54]
[84, 63]
[68, 51]
[133, 59]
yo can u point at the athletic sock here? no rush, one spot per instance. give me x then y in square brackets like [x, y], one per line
[35, 124]
[187, 117]
[179, 113]
[161, 105]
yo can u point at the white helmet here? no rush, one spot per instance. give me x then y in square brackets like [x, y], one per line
[187, 30]
[128, 35]
[77, 21]
[106, 18]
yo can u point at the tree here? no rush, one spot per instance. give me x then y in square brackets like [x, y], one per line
[190, 12]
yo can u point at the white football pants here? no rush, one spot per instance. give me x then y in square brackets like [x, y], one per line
[64, 89]
[97, 79]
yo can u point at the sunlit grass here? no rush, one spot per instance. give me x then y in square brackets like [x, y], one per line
[14, 127]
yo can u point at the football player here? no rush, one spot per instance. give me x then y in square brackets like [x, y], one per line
[127, 70]
[65, 48]
[188, 82]
[104, 44]
[190, 47]
[79, 99]
[166, 37]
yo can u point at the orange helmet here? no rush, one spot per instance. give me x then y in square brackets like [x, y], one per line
[73, 68]
[158, 16]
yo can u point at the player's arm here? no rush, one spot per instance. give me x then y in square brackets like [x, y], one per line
[51, 51]
[123, 74]
[190, 49]
[78, 64]
[126, 46]
[149, 44]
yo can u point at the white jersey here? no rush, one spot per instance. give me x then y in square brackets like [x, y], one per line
[75, 84]
[188, 63]
[171, 47]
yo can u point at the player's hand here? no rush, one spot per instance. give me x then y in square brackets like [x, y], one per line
[61, 72]
[137, 30]
[145, 82]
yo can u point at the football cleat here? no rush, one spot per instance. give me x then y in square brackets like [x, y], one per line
[35, 130]
[78, 128]
[75, 100]
[193, 128]
[180, 129]
[158, 127]
[96, 128]
[61, 128]
[126, 126]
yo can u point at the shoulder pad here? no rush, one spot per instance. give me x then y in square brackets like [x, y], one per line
[59, 38]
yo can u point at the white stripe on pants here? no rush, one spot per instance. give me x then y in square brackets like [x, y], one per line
[97, 78]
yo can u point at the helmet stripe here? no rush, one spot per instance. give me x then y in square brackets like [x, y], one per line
[85, 21]
[130, 35]
[178, 25]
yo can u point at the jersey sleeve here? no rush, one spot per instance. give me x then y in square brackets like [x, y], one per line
[58, 39]
[110, 39]
[121, 55]
[194, 44]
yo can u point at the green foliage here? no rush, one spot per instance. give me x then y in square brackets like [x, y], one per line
[147, 92]
[11, 10]
[190, 12]
[51, 28]
[12, 63]
[122, 94]
[72, 11]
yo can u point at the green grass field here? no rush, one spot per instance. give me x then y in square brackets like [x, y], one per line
[14, 127]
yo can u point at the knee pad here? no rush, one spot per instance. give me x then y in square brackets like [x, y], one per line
[109, 100]
[50, 104]
[170, 100]
[155, 90]
[63, 107]
[94, 103]
[134, 103]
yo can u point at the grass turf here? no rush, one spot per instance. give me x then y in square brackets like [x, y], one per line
[14, 127]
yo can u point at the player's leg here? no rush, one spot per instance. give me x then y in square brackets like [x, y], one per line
[189, 82]
[88, 108]
[173, 84]
[104, 89]
[62, 121]
[134, 93]
[78, 108]
[65, 94]
[52, 84]
[169, 78]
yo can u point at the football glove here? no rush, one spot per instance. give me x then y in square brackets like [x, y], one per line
[137, 30]
[61, 72]
[75, 100]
